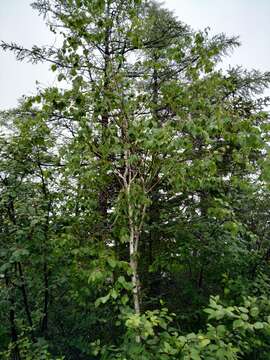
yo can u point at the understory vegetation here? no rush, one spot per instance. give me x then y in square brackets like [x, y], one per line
[134, 194]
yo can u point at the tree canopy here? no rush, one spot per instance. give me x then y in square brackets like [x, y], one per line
[134, 218]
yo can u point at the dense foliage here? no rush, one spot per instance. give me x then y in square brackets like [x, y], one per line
[134, 218]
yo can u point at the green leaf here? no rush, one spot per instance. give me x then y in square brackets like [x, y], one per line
[126, 285]
[114, 294]
[102, 300]
[254, 312]
[258, 325]
[244, 317]
[238, 323]
[112, 263]
[204, 342]
[194, 354]
[61, 77]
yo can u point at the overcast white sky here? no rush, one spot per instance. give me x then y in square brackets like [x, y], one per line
[250, 19]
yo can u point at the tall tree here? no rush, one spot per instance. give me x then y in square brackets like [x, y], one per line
[126, 187]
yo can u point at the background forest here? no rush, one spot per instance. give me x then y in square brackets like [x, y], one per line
[134, 206]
